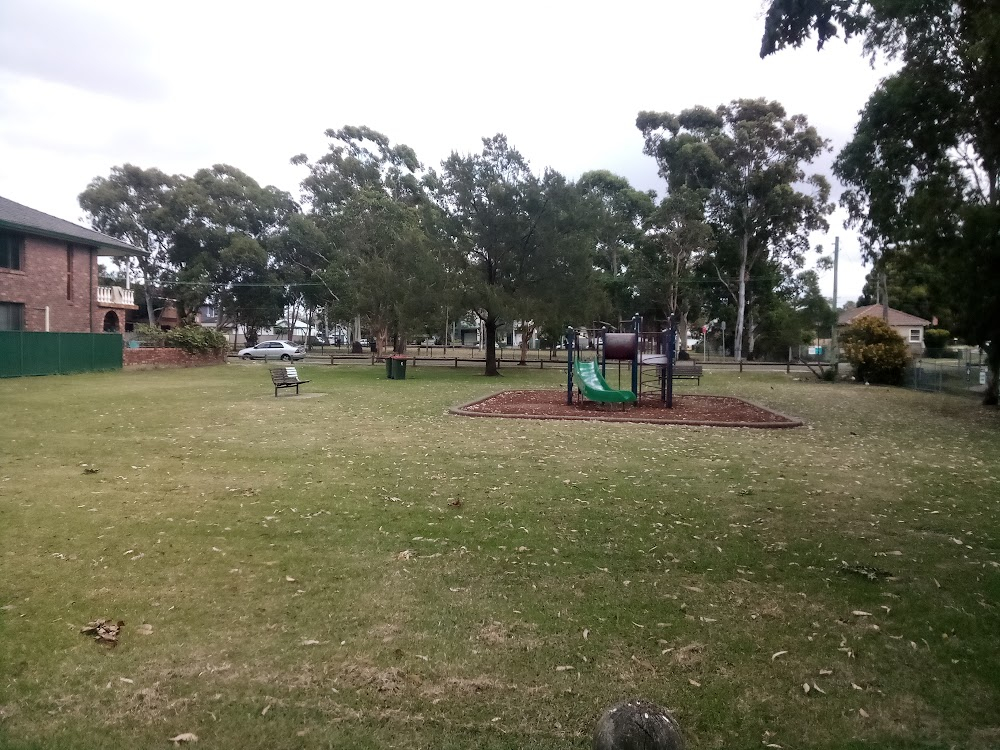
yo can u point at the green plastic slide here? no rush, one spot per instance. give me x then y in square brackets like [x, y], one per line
[587, 377]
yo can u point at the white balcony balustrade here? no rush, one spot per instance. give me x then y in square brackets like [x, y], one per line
[115, 296]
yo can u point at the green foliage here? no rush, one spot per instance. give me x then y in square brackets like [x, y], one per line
[937, 338]
[150, 335]
[374, 241]
[196, 339]
[526, 241]
[877, 353]
[923, 168]
[745, 163]
[136, 205]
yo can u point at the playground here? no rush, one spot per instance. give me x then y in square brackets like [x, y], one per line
[651, 370]
[363, 569]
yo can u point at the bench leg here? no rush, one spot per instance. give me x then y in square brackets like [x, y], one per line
[275, 391]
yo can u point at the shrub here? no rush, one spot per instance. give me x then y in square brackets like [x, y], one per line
[877, 353]
[150, 335]
[936, 338]
[196, 340]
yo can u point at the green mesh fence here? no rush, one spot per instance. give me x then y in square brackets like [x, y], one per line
[32, 353]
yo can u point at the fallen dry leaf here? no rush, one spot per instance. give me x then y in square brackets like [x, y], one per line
[563, 669]
[184, 737]
[776, 654]
[805, 688]
[290, 579]
[586, 634]
[695, 683]
[310, 642]
[144, 629]
[864, 714]
[861, 613]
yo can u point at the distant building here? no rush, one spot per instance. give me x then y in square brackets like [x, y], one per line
[49, 275]
[910, 327]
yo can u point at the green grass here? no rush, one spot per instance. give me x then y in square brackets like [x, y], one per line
[662, 562]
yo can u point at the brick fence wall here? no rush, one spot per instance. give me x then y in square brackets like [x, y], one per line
[170, 358]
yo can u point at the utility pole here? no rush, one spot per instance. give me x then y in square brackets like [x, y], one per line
[836, 319]
[885, 294]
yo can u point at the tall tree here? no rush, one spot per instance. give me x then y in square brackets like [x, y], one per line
[134, 204]
[384, 251]
[748, 158]
[618, 213]
[677, 239]
[923, 168]
[223, 242]
[510, 227]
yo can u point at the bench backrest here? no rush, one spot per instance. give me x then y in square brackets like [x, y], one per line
[283, 374]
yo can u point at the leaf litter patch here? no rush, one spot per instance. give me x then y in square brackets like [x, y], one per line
[707, 411]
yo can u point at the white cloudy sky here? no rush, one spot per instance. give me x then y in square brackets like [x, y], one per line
[89, 84]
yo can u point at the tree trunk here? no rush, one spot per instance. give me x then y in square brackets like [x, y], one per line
[741, 300]
[751, 332]
[491, 346]
[148, 293]
[526, 333]
[682, 327]
[992, 395]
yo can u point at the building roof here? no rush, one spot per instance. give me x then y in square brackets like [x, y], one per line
[896, 317]
[28, 220]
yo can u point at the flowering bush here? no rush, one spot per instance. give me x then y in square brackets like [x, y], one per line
[877, 353]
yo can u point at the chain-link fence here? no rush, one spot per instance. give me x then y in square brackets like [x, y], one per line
[961, 377]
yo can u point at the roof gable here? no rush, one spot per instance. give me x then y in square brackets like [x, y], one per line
[896, 317]
[29, 221]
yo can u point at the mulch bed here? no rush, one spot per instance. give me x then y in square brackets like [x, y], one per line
[711, 411]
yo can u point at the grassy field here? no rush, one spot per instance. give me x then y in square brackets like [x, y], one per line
[360, 569]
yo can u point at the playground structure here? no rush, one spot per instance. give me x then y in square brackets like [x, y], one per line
[651, 357]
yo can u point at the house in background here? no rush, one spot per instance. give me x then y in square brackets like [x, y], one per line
[49, 275]
[910, 327]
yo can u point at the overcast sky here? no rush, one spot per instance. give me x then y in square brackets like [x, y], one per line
[89, 84]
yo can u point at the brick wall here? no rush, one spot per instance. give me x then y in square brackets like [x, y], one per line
[60, 276]
[165, 357]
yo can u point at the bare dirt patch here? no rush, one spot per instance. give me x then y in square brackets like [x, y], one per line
[710, 411]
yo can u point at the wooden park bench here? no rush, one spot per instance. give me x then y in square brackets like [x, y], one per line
[286, 377]
[687, 371]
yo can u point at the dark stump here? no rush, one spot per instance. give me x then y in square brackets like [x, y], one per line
[637, 725]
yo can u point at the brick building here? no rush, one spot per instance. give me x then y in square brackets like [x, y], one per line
[49, 275]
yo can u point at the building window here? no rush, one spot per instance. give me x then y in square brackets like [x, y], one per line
[11, 316]
[69, 272]
[10, 250]
[914, 335]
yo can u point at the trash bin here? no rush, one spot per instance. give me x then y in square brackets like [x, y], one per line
[398, 368]
[388, 368]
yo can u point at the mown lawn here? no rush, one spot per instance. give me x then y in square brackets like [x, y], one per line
[360, 569]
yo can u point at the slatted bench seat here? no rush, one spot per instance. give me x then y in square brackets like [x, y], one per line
[286, 377]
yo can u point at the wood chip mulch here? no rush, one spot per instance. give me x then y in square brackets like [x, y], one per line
[712, 411]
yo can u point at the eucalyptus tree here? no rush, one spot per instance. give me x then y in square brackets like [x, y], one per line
[748, 158]
[618, 215]
[525, 256]
[223, 245]
[133, 204]
[923, 167]
[375, 239]
[677, 240]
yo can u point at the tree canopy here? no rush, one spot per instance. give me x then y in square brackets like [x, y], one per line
[923, 167]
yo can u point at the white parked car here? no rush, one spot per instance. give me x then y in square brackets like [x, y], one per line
[274, 350]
